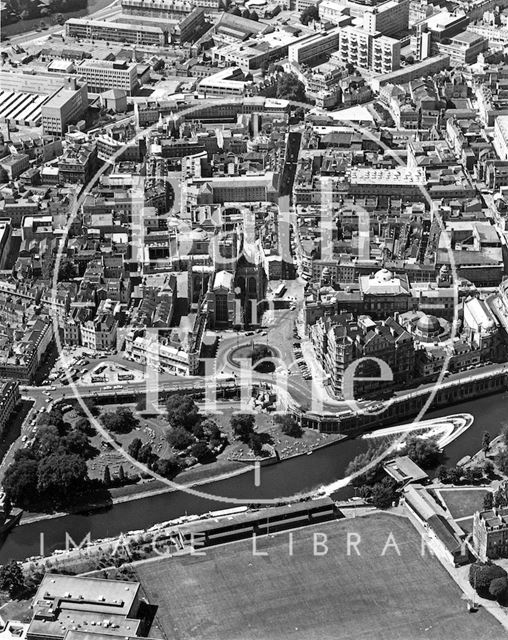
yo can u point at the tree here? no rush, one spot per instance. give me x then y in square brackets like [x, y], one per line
[107, 476]
[485, 443]
[47, 441]
[383, 493]
[423, 451]
[83, 425]
[290, 88]
[498, 589]
[201, 451]
[212, 432]
[488, 501]
[310, 14]
[146, 455]
[256, 444]
[179, 438]
[182, 411]
[66, 271]
[289, 425]
[488, 468]
[167, 467]
[246, 14]
[76, 442]
[12, 579]
[60, 476]
[7, 506]
[243, 426]
[121, 475]
[134, 447]
[20, 482]
[53, 417]
[120, 421]
[235, 11]
[254, 16]
[481, 574]
[198, 431]
[455, 475]
[442, 473]
[502, 461]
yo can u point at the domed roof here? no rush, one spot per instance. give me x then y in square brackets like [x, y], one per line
[383, 275]
[428, 325]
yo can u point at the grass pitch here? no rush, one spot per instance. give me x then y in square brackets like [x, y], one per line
[463, 502]
[231, 595]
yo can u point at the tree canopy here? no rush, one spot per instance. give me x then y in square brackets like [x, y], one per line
[289, 87]
[120, 421]
[179, 438]
[289, 425]
[424, 451]
[243, 426]
[12, 579]
[481, 574]
[309, 14]
[182, 411]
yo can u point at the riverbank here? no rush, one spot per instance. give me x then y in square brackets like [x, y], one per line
[130, 493]
[299, 475]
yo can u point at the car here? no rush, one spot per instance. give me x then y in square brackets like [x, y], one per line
[24, 438]
[108, 388]
[48, 400]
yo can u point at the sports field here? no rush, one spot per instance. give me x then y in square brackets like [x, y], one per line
[229, 594]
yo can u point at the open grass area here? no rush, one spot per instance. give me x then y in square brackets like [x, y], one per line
[463, 502]
[229, 594]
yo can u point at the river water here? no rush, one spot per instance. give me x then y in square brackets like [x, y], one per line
[284, 479]
[24, 26]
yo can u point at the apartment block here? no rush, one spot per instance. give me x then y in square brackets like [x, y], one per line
[115, 32]
[366, 50]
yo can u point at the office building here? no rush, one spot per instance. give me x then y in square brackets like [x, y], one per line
[316, 46]
[390, 18]
[65, 107]
[224, 83]
[341, 342]
[101, 75]
[464, 47]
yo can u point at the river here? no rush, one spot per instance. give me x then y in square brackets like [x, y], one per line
[24, 26]
[287, 478]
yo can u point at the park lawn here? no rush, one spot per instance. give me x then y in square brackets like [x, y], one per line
[466, 525]
[229, 594]
[463, 502]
